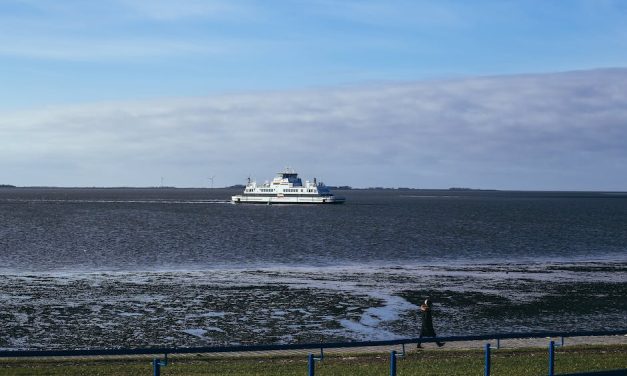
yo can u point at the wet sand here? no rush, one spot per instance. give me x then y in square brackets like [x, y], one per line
[305, 305]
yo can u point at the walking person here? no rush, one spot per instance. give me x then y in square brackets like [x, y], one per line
[426, 330]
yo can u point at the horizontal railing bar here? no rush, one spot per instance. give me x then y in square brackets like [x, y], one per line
[301, 346]
[613, 372]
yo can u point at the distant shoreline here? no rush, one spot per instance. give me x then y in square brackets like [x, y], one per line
[334, 188]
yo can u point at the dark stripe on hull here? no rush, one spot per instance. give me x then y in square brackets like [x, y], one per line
[287, 203]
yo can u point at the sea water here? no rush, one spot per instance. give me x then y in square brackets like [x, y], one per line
[184, 267]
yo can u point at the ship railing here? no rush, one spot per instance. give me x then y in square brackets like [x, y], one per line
[321, 348]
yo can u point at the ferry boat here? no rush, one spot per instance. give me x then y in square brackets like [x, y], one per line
[287, 188]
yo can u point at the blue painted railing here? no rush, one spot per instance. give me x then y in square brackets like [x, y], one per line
[306, 346]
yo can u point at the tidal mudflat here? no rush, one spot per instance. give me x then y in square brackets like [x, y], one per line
[290, 305]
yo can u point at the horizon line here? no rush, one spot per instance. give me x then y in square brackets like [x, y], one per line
[340, 187]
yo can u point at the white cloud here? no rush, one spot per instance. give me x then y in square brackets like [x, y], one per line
[401, 13]
[97, 49]
[164, 10]
[120, 30]
[552, 131]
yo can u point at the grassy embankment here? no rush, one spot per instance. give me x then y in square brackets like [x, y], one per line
[425, 362]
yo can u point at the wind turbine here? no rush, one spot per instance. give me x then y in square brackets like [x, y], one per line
[211, 178]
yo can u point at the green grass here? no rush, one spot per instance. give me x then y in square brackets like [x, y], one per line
[512, 362]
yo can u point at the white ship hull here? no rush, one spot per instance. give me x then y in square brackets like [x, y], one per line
[286, 188]
[242, 199]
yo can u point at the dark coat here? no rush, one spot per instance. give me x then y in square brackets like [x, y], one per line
[426, 330]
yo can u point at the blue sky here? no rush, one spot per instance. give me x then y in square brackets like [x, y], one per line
[199, 61]
[71, 51]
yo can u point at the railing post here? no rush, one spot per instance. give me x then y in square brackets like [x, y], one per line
[393, 363]
[487, 360]
[551, 358]
[312, 362]
[156, 367]
[498, 343]
[157, 364]
[312, 365]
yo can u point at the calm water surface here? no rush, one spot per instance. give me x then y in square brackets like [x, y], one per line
[104, 267]
[86, 230]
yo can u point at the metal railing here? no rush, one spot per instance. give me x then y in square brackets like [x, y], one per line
[157, 363]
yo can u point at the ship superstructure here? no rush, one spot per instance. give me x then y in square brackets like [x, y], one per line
[287, 188]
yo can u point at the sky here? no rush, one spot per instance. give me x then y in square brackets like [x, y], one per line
[525, 95]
